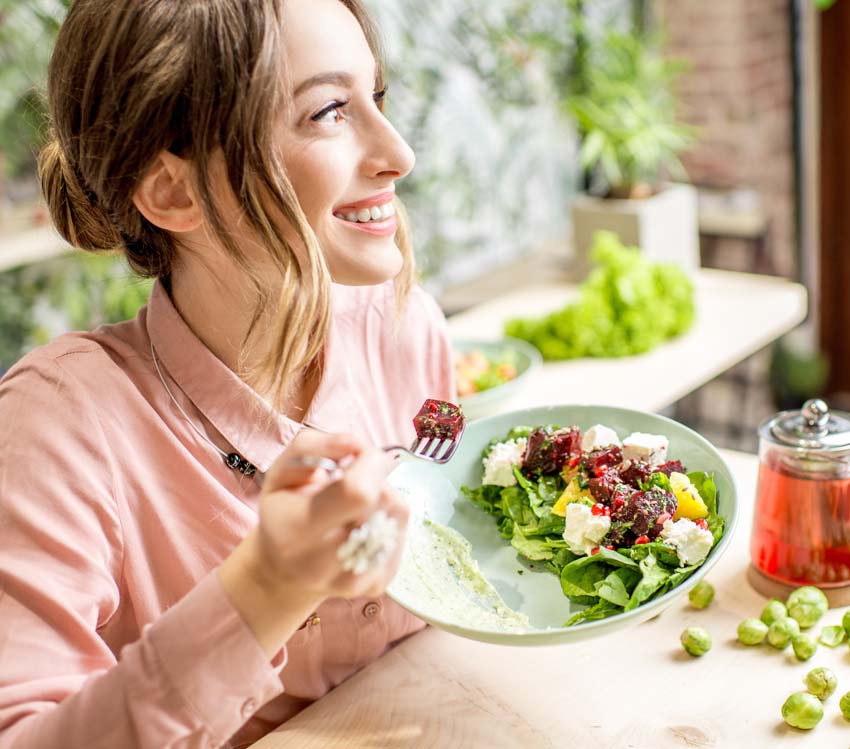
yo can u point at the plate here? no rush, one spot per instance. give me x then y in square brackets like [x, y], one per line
[527, 361]
[535, 593]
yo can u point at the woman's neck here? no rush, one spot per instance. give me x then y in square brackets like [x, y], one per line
[220, 315]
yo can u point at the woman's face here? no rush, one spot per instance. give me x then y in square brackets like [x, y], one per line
[341, 154]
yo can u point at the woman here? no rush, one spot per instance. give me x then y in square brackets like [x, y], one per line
[152, 594]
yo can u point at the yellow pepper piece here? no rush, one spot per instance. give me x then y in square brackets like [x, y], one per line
[572, 493]
[690, 503]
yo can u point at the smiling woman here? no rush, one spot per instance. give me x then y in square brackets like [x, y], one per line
[151, 593]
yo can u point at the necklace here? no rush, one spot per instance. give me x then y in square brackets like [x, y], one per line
[233, 460]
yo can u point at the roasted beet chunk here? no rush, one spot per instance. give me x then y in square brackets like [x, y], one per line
[438, 419]
[637, 472]
[603, 487]
[670, 466]
[596, 461]
[640, 516]
[547, 451]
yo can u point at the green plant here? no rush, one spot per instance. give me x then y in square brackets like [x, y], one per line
[75, 292]
[27, 31]
[798, 372]
[626, 112]
[627, 305]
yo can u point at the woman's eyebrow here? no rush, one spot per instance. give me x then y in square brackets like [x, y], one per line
[338, 78]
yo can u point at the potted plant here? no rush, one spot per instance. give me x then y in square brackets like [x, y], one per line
[630, 138]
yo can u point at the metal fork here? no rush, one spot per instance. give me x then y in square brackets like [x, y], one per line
[434, 449]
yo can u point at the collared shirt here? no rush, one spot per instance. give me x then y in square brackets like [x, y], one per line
[115, 512]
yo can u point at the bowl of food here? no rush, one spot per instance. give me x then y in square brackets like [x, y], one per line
[561, 523]
[490, 373]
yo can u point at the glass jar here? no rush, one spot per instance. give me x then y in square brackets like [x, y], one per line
[801, 520]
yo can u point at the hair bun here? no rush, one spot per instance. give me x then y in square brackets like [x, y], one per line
[75, 212]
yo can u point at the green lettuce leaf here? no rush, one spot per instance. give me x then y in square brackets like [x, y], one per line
[704, 483]
[535, 549]
[654, 576]
[617, 587]
[599, 610]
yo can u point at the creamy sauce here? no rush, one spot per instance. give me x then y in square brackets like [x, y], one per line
[439, 575]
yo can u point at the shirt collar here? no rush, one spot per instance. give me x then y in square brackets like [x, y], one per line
[241, 416]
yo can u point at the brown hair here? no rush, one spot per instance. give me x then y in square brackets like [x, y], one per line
[128, 80]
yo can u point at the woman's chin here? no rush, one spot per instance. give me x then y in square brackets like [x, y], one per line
[371, 270]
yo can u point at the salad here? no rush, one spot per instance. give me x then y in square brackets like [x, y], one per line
[475, 371]
[616, 520]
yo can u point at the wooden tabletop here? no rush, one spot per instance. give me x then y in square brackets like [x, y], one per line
[737, 314]
[632, 689]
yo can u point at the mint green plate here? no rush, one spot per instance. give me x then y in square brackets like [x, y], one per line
[536, 592]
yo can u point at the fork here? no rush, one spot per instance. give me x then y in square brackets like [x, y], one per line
[432, 449]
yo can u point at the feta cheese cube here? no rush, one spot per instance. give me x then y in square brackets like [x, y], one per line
[649, 448]
[691, 542]
[500, 462]
[582, 529]
[599, 436]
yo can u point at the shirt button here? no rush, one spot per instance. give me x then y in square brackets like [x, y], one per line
[371, 609]
[249, 707]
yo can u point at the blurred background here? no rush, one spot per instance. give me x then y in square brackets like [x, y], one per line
[529, 118]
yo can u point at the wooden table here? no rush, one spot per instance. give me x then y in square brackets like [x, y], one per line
[737, 314]
[635, 688]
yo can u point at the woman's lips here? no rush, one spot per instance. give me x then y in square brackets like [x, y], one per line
[382, 199]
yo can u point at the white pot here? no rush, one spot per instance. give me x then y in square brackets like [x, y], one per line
[664, 226]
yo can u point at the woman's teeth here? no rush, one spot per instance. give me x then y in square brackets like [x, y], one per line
[365, 215]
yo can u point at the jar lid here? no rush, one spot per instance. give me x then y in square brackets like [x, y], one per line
[811, 428]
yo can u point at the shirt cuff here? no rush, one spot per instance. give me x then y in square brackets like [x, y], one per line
[213, 659]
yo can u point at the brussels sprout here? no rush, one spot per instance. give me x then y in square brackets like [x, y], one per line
[752, 631]
[832, 637]
[701, 595]
[845, 622]
[802, 710]
[781, 632]
[844, 705]
[696, 640]
[807, 605]
[821, 682]
[774, 610]
[804, 646]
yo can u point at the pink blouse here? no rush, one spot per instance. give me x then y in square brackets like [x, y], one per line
[114, 630]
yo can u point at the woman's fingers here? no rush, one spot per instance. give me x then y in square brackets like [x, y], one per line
[356, 495]
[297, 465]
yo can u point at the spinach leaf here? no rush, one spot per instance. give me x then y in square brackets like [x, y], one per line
[580, 576]
[663, 553]
[559, 560]
[599, 610]
[616, 588]
[535, 549]
[657, 479]
[486, 497]
[515, 506]
[654, 576]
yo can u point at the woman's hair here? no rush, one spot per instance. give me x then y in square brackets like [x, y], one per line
[128, 80]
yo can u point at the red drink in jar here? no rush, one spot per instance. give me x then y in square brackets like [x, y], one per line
[801, 527]
[801, 518]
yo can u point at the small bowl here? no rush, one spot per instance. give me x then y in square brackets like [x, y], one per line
[527, 360]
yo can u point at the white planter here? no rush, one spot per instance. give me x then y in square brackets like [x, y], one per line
[664, 226]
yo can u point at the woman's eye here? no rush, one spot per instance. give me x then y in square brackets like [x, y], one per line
[331, 113]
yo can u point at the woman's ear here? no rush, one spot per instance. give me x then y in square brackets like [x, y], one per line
[166, 195]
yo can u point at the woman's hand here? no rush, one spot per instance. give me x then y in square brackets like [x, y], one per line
[289, 564]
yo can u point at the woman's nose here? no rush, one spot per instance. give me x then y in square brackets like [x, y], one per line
[388, 154]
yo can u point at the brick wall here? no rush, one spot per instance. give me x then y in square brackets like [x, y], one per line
[738, 91]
